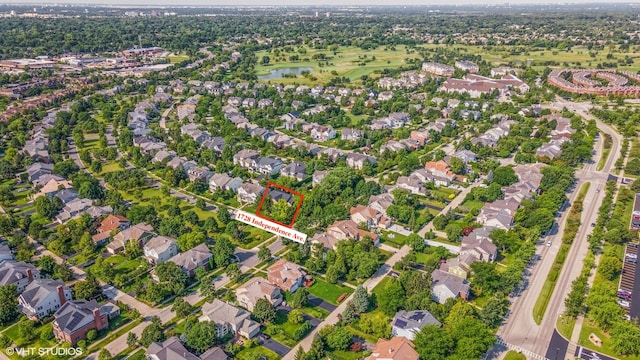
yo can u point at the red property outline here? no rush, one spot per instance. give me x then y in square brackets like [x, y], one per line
[264, 196]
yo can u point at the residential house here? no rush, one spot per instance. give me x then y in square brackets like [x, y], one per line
[36, 170]
[392, 146]
[255, 289]
[371, 217]
[411, 183]
[357, 161]
[440, 171]
[459, 266]
[409, 323]
[448, 286]
[421, 136]
[329, 242]
[52, 187]
[5, 252]
[322, 133]
[466, 156]
[398, 348]
[107, 225]
[381, 202]
[229, 318]
[267, 165]
[286, 275]
[479, 245]
[224, 182]
[170, 349]
[249, 192]
[244, 158]
[216, 144]
[348, 229]
[215, 353]
[296, 170]
[495, 217]
[77, 317]
[162, 156]
[332, 154]
[160, 249]
[139, 233]
[67, 195]
[17, 273]
[352, 134]
[43, 297]
[318, 176]
[188, 261]
[199, 174]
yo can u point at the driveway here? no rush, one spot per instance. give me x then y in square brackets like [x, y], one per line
[316, 301]
[276, 347]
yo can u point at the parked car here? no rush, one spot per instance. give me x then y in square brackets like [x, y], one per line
[624, 303]
[549, 243]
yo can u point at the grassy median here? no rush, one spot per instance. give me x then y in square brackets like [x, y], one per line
[570, 230]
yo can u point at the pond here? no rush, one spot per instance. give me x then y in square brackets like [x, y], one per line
[279, 73]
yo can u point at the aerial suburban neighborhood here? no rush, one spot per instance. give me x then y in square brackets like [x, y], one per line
[343, 182]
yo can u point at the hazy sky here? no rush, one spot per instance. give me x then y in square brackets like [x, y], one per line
[303, 2]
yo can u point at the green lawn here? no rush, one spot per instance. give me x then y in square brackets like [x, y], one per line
[177, 58]
[577, 56]
[327, 291]
[345, 61]
[256, 352]
[393, 239]
[316, 312]
[565, 326]
[13, 333]
[347, 355]
[606, 348]
[514, 355]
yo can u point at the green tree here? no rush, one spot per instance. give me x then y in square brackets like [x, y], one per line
[433, 343]
[391, 298]
[152, 333]
[201, 336]
[181, 307]
[92, 334]
[610, 266]
[132, 339]
[264, 311]
[190, 240]
[8, 305]
[89, 288]
[222, 251]
[104, 355]
[296, 316]
[493, 311]
[300, 298]
[264, 253]
[456, 165]
[339, 338]
[27, 330]
[625, 338]
[233, 271]
[300, 354]
[360, 299]
[504, 175]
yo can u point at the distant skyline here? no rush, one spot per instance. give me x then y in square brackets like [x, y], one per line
[321, 3]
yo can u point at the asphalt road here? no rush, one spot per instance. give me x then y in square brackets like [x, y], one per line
[557, 347]
[520, 328]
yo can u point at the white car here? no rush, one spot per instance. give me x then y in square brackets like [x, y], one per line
[624, 303]
[548, 243]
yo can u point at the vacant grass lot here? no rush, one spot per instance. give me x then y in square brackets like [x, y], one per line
[327, 291]
[283, 331]
[578, 56]
[350, 62]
